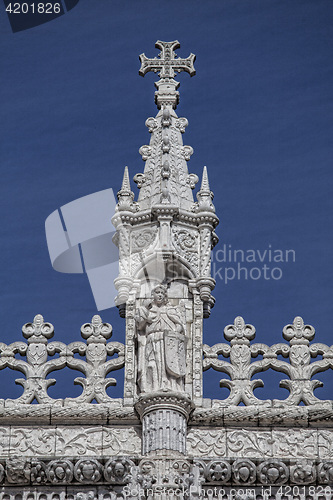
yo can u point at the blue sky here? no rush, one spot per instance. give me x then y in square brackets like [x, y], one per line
[260, 114]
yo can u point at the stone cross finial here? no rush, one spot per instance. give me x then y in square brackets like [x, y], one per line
[167, 64]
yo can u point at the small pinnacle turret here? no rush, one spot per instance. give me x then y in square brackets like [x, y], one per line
[125, 195]
[205, 195]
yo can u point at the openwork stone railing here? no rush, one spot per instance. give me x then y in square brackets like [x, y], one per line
[241, 368]
[37, 366]
[96, 357]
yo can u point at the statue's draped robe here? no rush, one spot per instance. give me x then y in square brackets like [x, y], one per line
[153, 326]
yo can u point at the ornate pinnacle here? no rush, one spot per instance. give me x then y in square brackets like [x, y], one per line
[125, 195]
[205, 183]
[205, 195]
[167, 65]
[126, 186]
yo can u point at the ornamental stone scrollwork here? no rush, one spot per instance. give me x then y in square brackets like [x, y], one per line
[295, 443]
[31, 441]
[206, 442]
[246, 443]
[77, 440]
[121, 440]
[36, 367]
[96, 366]
[186, 242]
[240, 368]
[142, 239]
[145, 152]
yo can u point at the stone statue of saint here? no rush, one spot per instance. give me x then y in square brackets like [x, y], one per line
[161, 344]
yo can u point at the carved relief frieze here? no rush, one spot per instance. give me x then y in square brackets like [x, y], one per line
[77, 441]
[249, 443]
[32, 441]
[186, 242]
[295, 443]
[121, 441]
[206, 442]
[325, 443]
[118, 471]
[142, 238]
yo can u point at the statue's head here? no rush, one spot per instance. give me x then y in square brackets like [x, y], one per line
[160, 295]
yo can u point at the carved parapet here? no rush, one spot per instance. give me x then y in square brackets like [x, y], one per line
[241, 368]
[164, 422]
[37, 366]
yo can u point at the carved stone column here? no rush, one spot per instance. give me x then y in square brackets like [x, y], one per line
[164, 423]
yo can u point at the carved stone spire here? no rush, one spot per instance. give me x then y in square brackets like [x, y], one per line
[125, 195]
[205, 195]
[165, 238]
[204, 182]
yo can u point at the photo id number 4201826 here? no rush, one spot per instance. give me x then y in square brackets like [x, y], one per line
[34, 8]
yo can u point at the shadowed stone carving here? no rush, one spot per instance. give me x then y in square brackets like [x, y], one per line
[161, 344]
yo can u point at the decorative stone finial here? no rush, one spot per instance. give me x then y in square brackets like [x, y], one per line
[298, 333]
[96, 331]
[38, 330]
[125, 195]
[167, 65]
[239, 332]
[205, 195]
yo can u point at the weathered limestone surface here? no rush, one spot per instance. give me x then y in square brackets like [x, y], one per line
[163, 440]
